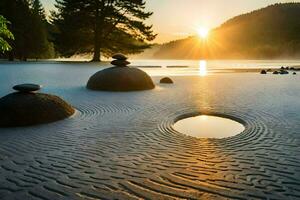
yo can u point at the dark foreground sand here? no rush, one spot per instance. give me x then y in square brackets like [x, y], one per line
[123, 146]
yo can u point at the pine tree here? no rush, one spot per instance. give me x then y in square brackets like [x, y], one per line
[5, 35]
[40, 46]
[102, 27]
[38, 8]
[26, 24]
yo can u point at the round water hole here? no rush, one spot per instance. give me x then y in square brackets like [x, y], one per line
[205, 126]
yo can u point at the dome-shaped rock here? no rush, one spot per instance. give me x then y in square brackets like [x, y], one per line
[263, 72]
[276, 72]
[120, 79]
[25, 109]
[166, 80]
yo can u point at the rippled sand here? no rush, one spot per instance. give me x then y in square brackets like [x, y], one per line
[123, 146]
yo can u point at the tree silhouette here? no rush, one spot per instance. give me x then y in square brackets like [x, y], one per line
[28, 28]
[102, 26]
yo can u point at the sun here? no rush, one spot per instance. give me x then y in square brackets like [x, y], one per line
[203, 32]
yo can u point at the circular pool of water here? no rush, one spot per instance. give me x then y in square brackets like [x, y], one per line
[205, 126]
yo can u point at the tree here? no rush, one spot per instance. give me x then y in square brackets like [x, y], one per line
[28, 27]
[40, 46]
[37, 8]
[5, 34]
[102, 26]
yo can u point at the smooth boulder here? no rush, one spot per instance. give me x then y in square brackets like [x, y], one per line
[26, 109]
[120, 79]
[263, 72]
[166, 80]
[283, 72]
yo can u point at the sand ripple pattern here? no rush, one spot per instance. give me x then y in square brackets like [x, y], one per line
[123, 145]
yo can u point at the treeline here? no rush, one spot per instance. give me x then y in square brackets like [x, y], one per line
[28, 23]
[268, 33]
[96, 27]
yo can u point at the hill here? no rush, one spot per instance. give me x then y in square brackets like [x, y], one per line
[271, 32]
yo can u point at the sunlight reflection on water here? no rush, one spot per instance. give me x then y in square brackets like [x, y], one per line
[204, 126]
[202, 68]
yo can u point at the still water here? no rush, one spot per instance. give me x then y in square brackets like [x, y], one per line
[205, 126]
[206, 67]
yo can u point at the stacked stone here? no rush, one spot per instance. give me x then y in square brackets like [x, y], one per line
[27, 88]
[120, 60]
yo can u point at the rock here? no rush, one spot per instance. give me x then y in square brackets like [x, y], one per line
[292, 68]
[120, 79]
[294, 73]
[283, 72]
[287, 68]
[282, 68]
[263, 72]
[119, 56]
[166, 80]
[120, 63]
[27, 88]
[26, 109]
[276, 72]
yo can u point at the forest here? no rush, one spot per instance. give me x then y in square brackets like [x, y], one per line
[97, 27]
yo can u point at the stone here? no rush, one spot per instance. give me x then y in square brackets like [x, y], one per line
[119, 56]
[166, 80]
[283, 72]
[263, 72]
[120, 79]
[294, 73]
[276, 72]
[27, 109]
[27, 88]
[120, 63]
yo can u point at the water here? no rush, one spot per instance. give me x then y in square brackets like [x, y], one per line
[203, 67]
[219, 64]
[208, 127]
[61, 76]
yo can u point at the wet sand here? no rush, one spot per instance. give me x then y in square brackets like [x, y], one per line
[123, 145]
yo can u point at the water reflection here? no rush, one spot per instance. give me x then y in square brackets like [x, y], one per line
[208, 127]
[202, 68]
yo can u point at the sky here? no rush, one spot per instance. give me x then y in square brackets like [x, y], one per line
[176, 19]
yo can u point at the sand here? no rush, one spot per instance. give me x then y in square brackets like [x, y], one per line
[123, 145]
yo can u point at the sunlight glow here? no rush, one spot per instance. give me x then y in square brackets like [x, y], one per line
[202, 68]
[203, 32]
